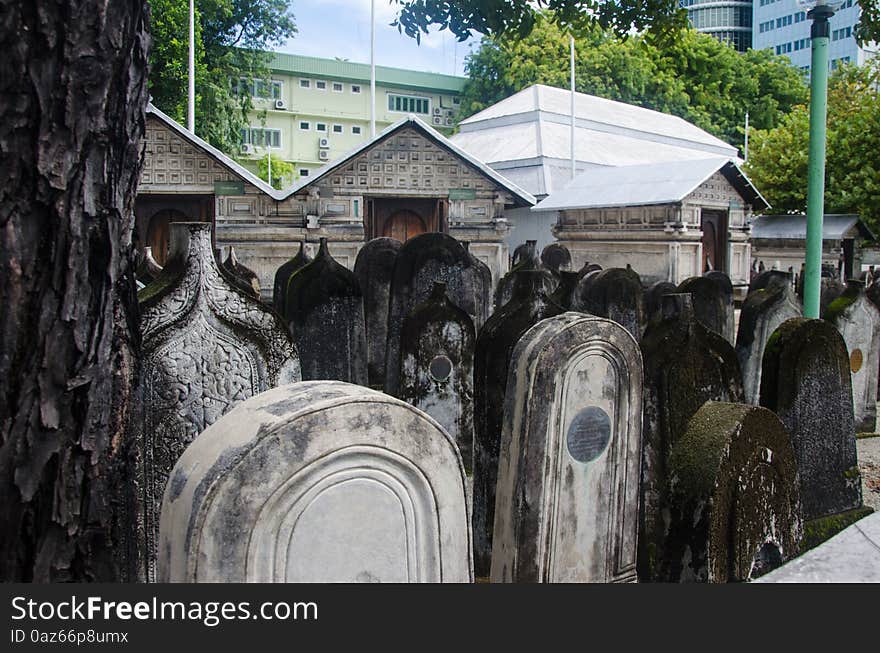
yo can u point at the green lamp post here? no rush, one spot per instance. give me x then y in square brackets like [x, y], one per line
[819, 11]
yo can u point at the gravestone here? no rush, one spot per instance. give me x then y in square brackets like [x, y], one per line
[726, 287]
[495, 343]
[437, 367]
[556, 258]
[763, 310]
[563, 296]
[806, 381]
[248, 278]
[589, 267]
[318, 482]
[767, 278]
[527, 251]
[654, 296]
[858, 321]
[615, 293]
[525, 260]
[686, 365]
[324, 310]
[709, 303]
[483, 286]
[568, 479]
[373, 268]
[734, 507]
[420, 262]
[148, 269]
[207, 345]
[283, 274]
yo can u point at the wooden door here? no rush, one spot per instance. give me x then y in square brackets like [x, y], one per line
[403, 225]
[714, 225]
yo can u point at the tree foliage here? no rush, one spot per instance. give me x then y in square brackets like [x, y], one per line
[778, 157]
[690, 75]
[282, 171]
[232, 37]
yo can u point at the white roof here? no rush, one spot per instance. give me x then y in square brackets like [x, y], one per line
[654, 183]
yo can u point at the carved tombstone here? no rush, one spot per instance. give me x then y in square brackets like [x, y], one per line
[563, 296]
[525, 260]
[373, 268]
[318, 482]
[806, 381]
[556, 258]
[708, 302]
[615, 293]
[568, 480]
[734, 507]
[858, 321]
[148, 269]
[247, 278]
[437, 367]
[325, 313]
[494, 346]
[763, 310]
[726, 287]
[283, 274]
[206, 346]
[421, 261]
[483, 286]
[686, 365]
[654, 298]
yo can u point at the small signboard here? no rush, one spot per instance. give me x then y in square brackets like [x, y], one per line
[228, 188]
[462, 194]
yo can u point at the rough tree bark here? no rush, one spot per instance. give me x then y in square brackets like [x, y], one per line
[72, 100]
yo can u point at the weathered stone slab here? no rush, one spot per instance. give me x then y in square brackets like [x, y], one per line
[207, 345]
[420, 262]
[324, 310]
[437, 367]
[525, 259]
[248, 278]
[806, 381]
[734, 501]
[318, 482]
[495, 343]
[483, 286]
[708, 302]
[615, 293]
[762, 312]
[283, 274]
[653, 297]
[556, 258]
[686, 365]
[726, 286]
[858, 321]
[563, 296]
[568, 481]
[374, 268]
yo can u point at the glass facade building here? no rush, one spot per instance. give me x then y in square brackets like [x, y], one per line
[727, 20]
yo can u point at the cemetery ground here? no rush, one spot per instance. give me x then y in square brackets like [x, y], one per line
[868, 447]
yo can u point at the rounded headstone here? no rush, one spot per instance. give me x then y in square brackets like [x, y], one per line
[615, 293]
[283, 274]
[556, 258]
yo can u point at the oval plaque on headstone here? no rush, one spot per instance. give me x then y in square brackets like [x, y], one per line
[588, 434]
[855, 360]
[440, 368]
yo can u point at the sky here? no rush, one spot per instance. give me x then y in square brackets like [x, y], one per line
[341, 28]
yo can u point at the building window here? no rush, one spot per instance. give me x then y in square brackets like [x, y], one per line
[305, 125]
[258, 88]
[337, 87]
[356, 130]
[320, 127]
[303, 172]
[337, 129]
[320, 84]
[260, 137]
[305, 83]
[456, 101]
[355, 88]
[356, 207]
[409, 104]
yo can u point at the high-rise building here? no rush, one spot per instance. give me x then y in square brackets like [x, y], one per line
[727, 20]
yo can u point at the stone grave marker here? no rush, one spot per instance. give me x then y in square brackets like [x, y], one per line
[324, 310]
[615, 293]
[709, 303]
[283, 274]
[148, 269]
[247, 277]
[525, 260]
[568, 480]
[483, 286]
[734, 508]
[373, 268]
[207, 345]
[726, 287]
[563, 296]
[556, 258]
[654, 296]
[318, 482]
[806, 380]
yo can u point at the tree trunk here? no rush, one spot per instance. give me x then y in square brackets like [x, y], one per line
[73, 89]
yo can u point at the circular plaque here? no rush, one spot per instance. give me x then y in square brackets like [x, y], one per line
[588, 434]
[440, 368]
[855, 360]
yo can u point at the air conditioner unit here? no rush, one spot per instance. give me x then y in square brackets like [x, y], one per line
[449, 113]
[438, 120]
[449, 121]
[324, 143]
[324, 155]
[247, 149]
[280, 104]
[437, 111]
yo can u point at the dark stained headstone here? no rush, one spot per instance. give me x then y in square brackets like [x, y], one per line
[568, 481]
[805, 379]
[726, 287]
[525, 260]
[148, 269]
[374, 268]
[207, 344]
[526, 251]
[768, 278]
[686, 365]
[420, 262]
[563, 296]
[324, 310]
[483, 286]
[495, 343]
[708, 302]
[248, 278]
[556, 258]
[283, 274]
[589, 267]
[437, 367]
[654, 297]
[615, 293]
[734, 505]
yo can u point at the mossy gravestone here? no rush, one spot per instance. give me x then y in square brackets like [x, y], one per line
[734, 507]
[437, 367]
[525, 259]
[806, 381]
[563, 296]
[568, 481]
[708, 302]
[686, 365]
[494, 346]
[858, 321]
[615, 293]
[318, 482]
[282, 277]
[764, 309]
[247, 278]
[726, 286]
[373, 268]
[207, 344]
[324, 310]
[653, 297]
[556, 258]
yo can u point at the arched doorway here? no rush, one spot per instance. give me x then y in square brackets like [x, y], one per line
[714, 224]
[159, 233]
[403, 225]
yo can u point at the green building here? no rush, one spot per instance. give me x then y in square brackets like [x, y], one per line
[319, 109]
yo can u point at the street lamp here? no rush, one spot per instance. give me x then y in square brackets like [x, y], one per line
[819, 11]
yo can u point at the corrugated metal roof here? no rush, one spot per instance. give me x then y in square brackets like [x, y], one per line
[654, 183]
[794, 227]
[296, 64]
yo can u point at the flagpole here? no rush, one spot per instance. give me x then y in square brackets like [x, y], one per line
[372, 68]
[572, 107]
[191, 94]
